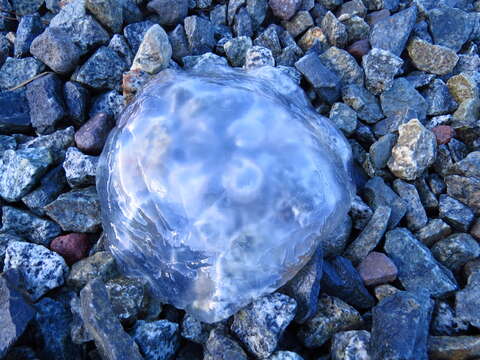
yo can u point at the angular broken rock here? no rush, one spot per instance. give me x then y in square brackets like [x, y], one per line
[435, 59]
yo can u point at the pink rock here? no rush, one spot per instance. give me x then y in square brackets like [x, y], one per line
[443, 133]
[72, 247]
[359, 48]
[377, 268]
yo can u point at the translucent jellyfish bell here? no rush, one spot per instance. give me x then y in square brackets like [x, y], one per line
[218, 185]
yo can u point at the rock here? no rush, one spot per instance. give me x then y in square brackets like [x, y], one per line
[101, 322]
[335, 244]
[380, 67]
[400, 327]
[325, 82]
[463, 86]
[15, 312]
[416, 215]
[236, 49]
[284, 9]
[414, 151]
[455, 213]
[443, 134]
[456, 250]
[76, 98]
[344, 117]
[370, 236]
[417, 269]
[402, 95]
[72, 247]
[377, 269]
[25, 7]
[333, 316]
[45, 99]
[178, 41]
[438, 99]
[391, 33]
[199, 34]
[434, 59]
[91, 137]
[377, 194]
[257, 9]
[110, 103]
[14, 112]
[450, 27]
[155, 51]
[7, 143]
[445, 321]
[475, 231]
[363, 102]
[100, 265]
[260, 324]
[21, 171]
[42, 269]
[360, 213]
[343, 65]
[381, 150]
[134, 33]
[29, 28]
[128, 298]
[285, 355]
[56, 142]
[269, 38]
[108, 12]
[427, 197]
[56, 49]
[305, 288]
[334, 30]
[119, 44]
[77, 210]
[465, 189]
[469, 166]
[313, 38]
[298, 25]
[359, 48]
[157, 340]
[467, 301]
[80, 169]
[242, 23]
[341, 279]
[15, 72]
[258, 56]
[350, 345]
[194, 330]
[220, 346]
[204, 61]
[28, 226]
[453, 347]
[177, 10]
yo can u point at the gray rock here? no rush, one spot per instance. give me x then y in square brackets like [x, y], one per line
[438, 98]
[419, 78]
[29, 28]
[427, 197]
[21, 170]
[392, 33]
[402, 95]
[157, 340]
[91, 137]
[357, 29]
[381, 150]
[76, 98]
[450, 27]
[100, 265]
[260, 324]
[206, 60]
[284, 9]
[134, 33]
[26, 225]
[77, 210]
[199, 33]
[377, 194]
[110, 103]
[298, 24]
[42, 269]
[465, 347]
[333, 316]
[269, 39]
[363, 102]
[178, 41]
[416, 215]
[103, 70]
[343, 65]
[218, 15]
[400, 327]
[258, 56]
[360, 213]
[194, 330]
[417, 269]
[242, 24]
[15, 72]
[469, 166]
[380, 67]
[56, 49]
[467, 301]
[351, 8]
[335, 31]
[15, 311]
[80, 169]
[155, 51]
[445, 320]
[455, 213]
[456, 250]
[220, 346]
[285, 355]
[119, 44]
[177, 10]
[351, 345]
[45, 99]
[434, 59]
[108, 12]
[7, 143]
[335, 244]
[236, 49]
[436, 183]
[344, 118]
[128, 298]
[414, 151]
[25, 7]
[370, 236]
[325, 82]
[257, 9]
[14, 112]
[101, 322]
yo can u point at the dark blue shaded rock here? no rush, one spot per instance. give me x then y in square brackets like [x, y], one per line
[5, 48]
[343, 65]
[76, 100]
[342, 280]
[26, 225]
[80, 169]
[220, 346]
[363, 102]
[445, 321]
[325, 82]
[45, 99]
[284, 9]
[438, 98]
[128, 298]
[6, 20]
[15, 311]
[135, 32]
[7, 143]
[467, 300]
[257, 9]
[108, 12]
[14, 112]
[435, 230]
[119, 44]
[417, 268]
[400, 327]
[157, 340]
[450, 27]
[242, 23]
[111, 340]
[15, 72]
[52, 331]
[199, 33]
[110, 103]
[392, 33]
[260, 324]
[455, 213]
[179, 42]
[24, 7]
[402, 95]
[29, 28]
[416, 215]
[335, 244]
[456, 250]
[335, 31]
[177, 10]
[305, 288]
[100, 265]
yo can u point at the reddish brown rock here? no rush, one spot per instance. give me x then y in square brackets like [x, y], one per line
[377, 268]
[443, 133]
[359, 48]
[376, 16]
[91, 137]
[73, 247]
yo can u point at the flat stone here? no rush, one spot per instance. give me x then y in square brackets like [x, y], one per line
[363, 102]
[284, 9]
[29, 27]
[455, 213]
[100, 265]
[351, 345]
[417, 268]
[178, 41]
[456, 250]
[75, 97]
[77, 210]
[108, 12]
[450, 27]
[157, 340]
[15, 72]
[177, 10]
[467, 301]
[80, 169]
[199, 34]
[434, 59]
[381, 150]
[102, 324]
[220, 346]
[155, 51]
[242, 23]
[343, 65]
[333, 316]
[335, 244]
[14, 112]
[360, 213]
[42, 269]
[453, 347]
[260, 325]
[128, 298]
[416, 215]
[380, 67]
[72, 247]
[257, 9]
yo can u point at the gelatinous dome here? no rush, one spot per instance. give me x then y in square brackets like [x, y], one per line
[217, 186]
